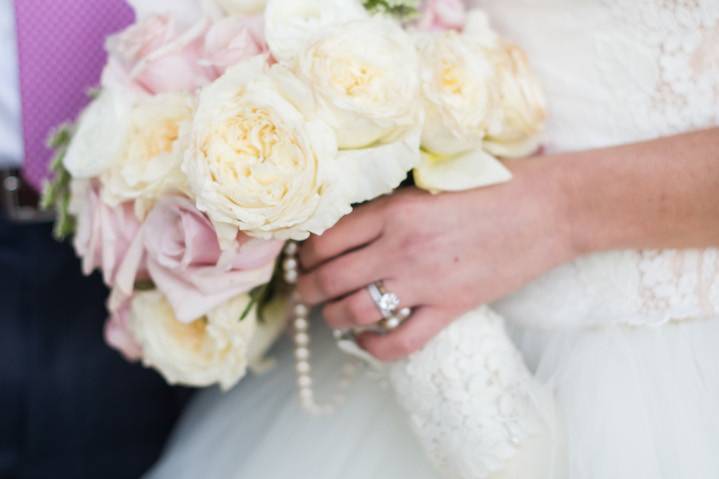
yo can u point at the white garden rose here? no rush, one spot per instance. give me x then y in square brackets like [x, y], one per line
[290, 25]
[242, 7]
[258, 161]
[149, 164]
[522, 111]
[478, 97]
[365, 75]
[100, 135]
[459, 87]
[212, 349]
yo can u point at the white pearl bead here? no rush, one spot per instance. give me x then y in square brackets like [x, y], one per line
[301, 324]
[304, 381]
[291, 248]
[289, 264]
[303, 354]
[392, 323]
[291, 276]
[303, 367]
[301, 310]
[302, 339]
[404, 313]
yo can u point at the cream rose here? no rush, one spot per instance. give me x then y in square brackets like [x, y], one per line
[149, 164]
[365, 74]
[101, 134]
[521, 111]
[213, 349]
[459, 92]
[463, 77]
[241, 7]
[258, 161]
[290, 25]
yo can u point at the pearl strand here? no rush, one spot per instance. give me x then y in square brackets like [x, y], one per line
[303, 367]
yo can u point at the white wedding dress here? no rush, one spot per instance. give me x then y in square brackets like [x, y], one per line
[627, 342]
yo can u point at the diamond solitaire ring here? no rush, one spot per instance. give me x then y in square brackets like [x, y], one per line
[388, 305]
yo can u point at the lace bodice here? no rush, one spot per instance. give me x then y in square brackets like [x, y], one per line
[619, 71]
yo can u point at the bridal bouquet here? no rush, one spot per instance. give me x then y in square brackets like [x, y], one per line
[224, 128]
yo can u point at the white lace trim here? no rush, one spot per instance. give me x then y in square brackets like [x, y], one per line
[470, 397]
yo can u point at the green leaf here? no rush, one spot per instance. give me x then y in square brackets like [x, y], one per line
[404, 9]
[56, 192]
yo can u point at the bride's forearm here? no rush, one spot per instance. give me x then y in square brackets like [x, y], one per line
[658, 194]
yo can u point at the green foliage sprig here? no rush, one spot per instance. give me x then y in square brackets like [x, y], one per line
[404, 9]
[56, 192]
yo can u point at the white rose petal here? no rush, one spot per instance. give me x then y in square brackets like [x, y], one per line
[468, 170]
[372, 172]
[365, 75]
[101, 134]
[258, 162]
[290, 25]
[148, 166]
[242, 7]
[209, 350]
[458, 85]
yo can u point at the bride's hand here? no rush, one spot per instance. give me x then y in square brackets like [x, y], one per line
[442, 255]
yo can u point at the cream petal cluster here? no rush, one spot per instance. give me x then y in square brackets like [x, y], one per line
[365, 74]
[459, 94]
[241, 7]
[214, 349]
[100, 135]
[479, 97]
[258, 162]
[291, 25]
[149, 164]
[522, 112]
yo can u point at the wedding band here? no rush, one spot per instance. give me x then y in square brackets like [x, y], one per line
[386, 302]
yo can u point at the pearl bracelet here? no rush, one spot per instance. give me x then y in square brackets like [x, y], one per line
[303, 367]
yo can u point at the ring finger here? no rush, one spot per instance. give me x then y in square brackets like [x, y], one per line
[360, 310]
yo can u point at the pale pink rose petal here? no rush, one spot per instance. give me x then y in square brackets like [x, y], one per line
[103, 233]
[117, 333]
[440, 15]
[158, 55]
[180, 250]
[232, 40]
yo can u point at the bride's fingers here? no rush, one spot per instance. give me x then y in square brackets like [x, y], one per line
[359, 309]
[410, 337]
[360, 227]
[341, 276]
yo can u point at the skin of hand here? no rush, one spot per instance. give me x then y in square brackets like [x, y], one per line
[446, 254]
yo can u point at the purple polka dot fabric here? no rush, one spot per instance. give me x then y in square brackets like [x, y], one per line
[61, 55]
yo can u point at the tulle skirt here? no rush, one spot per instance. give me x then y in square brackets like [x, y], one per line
[259, 431]
[635, 403]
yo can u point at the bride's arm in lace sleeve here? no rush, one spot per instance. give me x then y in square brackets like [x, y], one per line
[446, 254]
[658, 194]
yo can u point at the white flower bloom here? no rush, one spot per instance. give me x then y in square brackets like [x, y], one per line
[290, 25]
[101, 134]
[479, 96]
[522, 110]
[242, 7]
[209, 350]
[459, 90]
[365, 75]
[148, 166]
[258, 161]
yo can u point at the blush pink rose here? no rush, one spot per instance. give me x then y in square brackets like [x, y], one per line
[118, 335]
[180, 249]
[233, 39]
[439, 15]
[158, 55]
[103, 234]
